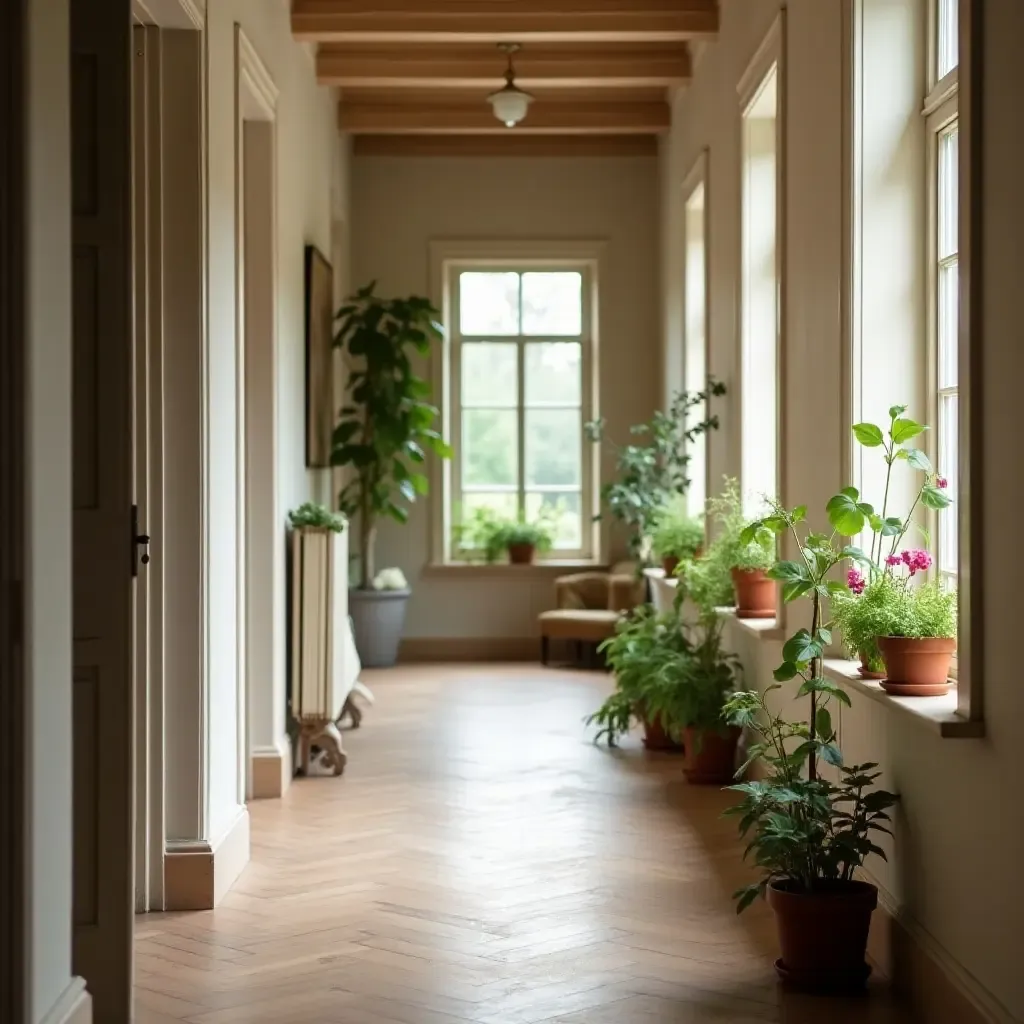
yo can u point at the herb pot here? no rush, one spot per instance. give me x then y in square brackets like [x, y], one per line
[916, 667]
[755, 594]
[656, 736]
[866, 671]
[710, 755]
[823, 934]
[521, 554]
[669, 564]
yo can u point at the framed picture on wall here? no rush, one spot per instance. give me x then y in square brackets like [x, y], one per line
[319, 359]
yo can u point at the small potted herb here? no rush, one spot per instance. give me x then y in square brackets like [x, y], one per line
[676, 535]
[747, 555]
[486, 533]
[311, 516]
[807, 833]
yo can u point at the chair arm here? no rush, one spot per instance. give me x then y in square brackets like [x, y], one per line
[625, 592]
[582, 590]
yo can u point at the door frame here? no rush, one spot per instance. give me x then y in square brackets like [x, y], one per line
[13, 765]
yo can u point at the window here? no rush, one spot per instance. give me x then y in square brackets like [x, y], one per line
[760, 313]
[695, 285]
[520, 359]
[941, 111]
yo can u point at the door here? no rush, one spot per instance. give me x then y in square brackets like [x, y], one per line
[105, 554]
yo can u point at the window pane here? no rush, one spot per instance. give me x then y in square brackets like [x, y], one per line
[948, 467]
[948, 207]
[552, 303]
[947, 324]
[489, 373]
[489, 447]
[553, 373]
[553, 448]
[502, 503]
[488, 303]
[565, 511]
[948, 37]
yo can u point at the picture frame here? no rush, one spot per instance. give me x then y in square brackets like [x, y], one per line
[320, 401]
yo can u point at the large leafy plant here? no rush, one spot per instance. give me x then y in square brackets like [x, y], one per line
[805, 829]
[655, 467]
[387, 426]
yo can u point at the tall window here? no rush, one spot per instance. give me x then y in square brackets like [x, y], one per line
[760, 322]
[941, 111]
[521, 356]
[695, 331]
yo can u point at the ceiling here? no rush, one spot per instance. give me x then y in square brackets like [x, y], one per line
[414, 75]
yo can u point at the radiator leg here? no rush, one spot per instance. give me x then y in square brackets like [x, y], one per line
[544, 650]
[334, 756]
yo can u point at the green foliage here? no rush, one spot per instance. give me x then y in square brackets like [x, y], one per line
[312, 515]
[387, 426]
[799, 825]
[676, 533]
[734, 546]
[895, 606]
[487, 533]
[654, 468]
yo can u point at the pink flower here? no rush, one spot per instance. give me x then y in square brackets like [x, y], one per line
[893, 560]
[941, 482]
[915, 561]
[855, 581]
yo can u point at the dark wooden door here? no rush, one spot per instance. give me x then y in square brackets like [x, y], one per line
[104, 553]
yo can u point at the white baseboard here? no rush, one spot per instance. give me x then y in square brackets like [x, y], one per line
[198, 873]
[73, 1007]
[272, 770]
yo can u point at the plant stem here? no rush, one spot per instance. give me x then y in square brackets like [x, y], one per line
[885, 501]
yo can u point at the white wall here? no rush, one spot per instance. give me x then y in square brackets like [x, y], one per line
[310, 195]
[48, 512]
[402, 204]
[956, 861]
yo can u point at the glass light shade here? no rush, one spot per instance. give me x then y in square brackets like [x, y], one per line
[510, 105]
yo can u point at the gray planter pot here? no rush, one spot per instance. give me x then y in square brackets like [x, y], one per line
[377, 620]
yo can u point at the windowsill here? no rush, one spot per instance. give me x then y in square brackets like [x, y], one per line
[505, 570]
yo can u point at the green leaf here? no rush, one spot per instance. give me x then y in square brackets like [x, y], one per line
[823, 724]
[786, 671]
[795, 589]
[420, 482]
[786, 571]
[824, 636]
[832, 754]
[801, 647]
[868, 435]
[855, 554]
[903, 430]
[407, 489]
[844, 513]
[934, 497]
[895, 411]
[799, 513]
[825, 686]
[917, 458]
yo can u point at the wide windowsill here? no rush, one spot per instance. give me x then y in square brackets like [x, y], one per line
[938, 714]
[545, 569]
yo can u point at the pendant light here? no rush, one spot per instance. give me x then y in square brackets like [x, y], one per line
[510, 103]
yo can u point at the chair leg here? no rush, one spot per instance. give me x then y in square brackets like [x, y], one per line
[544, 649]
[579, 653]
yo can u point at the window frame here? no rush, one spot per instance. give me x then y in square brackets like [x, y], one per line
[449, 259]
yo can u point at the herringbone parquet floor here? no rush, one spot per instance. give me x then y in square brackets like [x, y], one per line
[481, 862]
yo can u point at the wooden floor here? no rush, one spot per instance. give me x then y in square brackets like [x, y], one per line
[481, 861]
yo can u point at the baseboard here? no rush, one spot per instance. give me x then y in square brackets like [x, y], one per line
[923, 974]
[198, 874]
[272, 770]
[73, 1007]
[444, 648]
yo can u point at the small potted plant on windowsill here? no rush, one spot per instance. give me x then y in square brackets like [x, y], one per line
[644, 642]
[676, 535]
[746, 555]
[486, 533]
[809, 834]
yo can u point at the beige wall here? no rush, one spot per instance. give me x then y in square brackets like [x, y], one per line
[956, 861]
[311, 195]
[400, 205]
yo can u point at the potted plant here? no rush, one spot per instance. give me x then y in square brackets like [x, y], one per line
[486, 532]
[864, 612]
[701, 679]
[807, 833]
[642, 645]
[748, 555]
[385, 432]
[654, 469]
[313, 516]
[676, 535]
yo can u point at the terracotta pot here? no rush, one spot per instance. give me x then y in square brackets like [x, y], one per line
[670, 563]
[823, 934]
[755, 594]
[521, 554]
[710, 755]
[656, 738]
[865, 669]
[916, 667]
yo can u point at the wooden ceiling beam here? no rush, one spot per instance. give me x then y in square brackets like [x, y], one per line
[481, 67]
[493, 21]
[582, 118]
[510, 144]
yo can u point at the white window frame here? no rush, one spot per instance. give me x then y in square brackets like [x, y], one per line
[449, 259]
